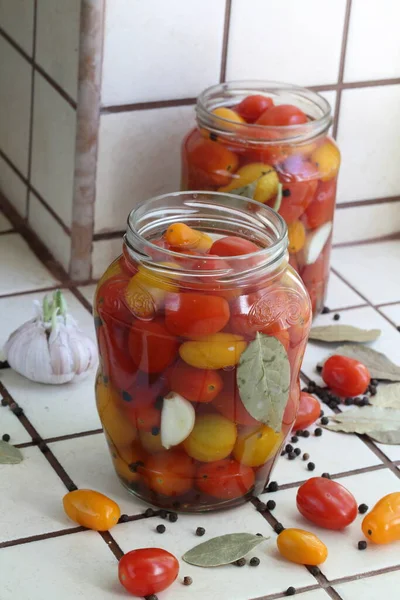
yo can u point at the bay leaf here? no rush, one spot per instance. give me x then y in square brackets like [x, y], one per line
[278, 199]
[343, 333]
[247, 191]
[9, 455]
[387, 396]
[263, 379]
[365, 419]
[377, 363]
[386, 437]
[222, 550]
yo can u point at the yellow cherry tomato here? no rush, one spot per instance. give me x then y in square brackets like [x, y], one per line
[327, 159]
[382, 524]
[91, 509]
[125, 458]
[216, 351]
[151, 443]
[255, 445]
[213, 438]
[267, 186]
[118, 428]
[113, 269]
[181, 235]
[229, 114]
[301, 547]
[297, 237]
[146, 291]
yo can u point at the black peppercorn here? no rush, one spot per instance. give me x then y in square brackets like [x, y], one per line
[372, 390]
[318, 368]
[43, 447]
[155, 431]
[261, 507]
[283, 453]
[325, 310]
[149, 512]
[299, 432]
[254, 562]
[123, 519]
[160, 528]
[362, 545]
[187, 580]
[213, 136]
[272, 487]
[6, 437]
[324, 421]
[297, 451]
[314, 571]
[240, 563]
[362, 509]
[374, 382]
[318, 432]
[336, 317]
[306, 434]
[288, 447]
[200, 531]
[326, 475]
[134, 466]
[151, 597]
[259, 535]
[159, 402]
[311, 466]
[173, 517]
[294, 439]
[278, 528]
[291, 456]
[17, 410]
[290, 591]
[306, 456]
[271, 504]
[4, 402]
[126, 397]
[349, 401]
[163, 514]
[286, 192]
[321, 414]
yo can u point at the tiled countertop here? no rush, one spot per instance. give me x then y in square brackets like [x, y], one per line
[44, 556]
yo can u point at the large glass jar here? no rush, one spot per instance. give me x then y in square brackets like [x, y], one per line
[200, 349]
[294, 166]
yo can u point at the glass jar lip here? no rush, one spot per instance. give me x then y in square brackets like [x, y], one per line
[140, 219]
[211, 98]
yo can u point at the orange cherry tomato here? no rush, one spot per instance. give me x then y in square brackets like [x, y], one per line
[309, 411]
[180, 235]
[382, 524]
[282, 115]
[232, 245]
[147, 571]
[192, 314]
[225, 479]
[170, 473]
[151, 346]
[196, 385]
[91, 509]
[213, 160]
[252, 107]
[301, 547]
[321, 209]
[345, 376]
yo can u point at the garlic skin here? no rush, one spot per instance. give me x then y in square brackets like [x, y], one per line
[51, 348]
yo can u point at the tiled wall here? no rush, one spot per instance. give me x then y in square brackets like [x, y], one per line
[157, 56]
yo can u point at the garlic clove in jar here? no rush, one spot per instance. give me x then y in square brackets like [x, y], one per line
[177, 420]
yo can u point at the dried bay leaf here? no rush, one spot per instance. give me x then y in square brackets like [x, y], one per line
[377, 363]
[365, 420]
[387, 396]
[263, 379]
[343, 333]
[222, 550]
[9, 455]
[385, 437]
[247, 191]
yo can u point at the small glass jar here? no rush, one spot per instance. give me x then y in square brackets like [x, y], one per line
[227, 153]
[172, 325]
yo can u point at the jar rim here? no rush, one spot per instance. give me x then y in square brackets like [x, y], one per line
[215, 96]
[153, 216]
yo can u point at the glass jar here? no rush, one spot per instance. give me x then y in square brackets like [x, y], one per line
[227, 153]
[172, 325]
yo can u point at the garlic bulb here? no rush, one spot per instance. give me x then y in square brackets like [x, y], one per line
[51, 348]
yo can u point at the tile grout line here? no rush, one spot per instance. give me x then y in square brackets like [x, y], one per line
[225, 39]
[277, 595]
[342, 62]
[365, 575]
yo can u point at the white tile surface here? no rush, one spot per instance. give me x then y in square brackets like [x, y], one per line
[58, 41]
[16, 18]
[135, 162]
[392, 312]
[341, 295]
[88, 291]
[10, 424]
[53, 151]
[313, 595]
[103, 253]
[391, 451]
[370, 269]
[12, 187]
[385, 585]
[5, 224]
[89, 464]
[49, 231]
[366, 222]
[84, 568]
[22, 270]
[157, 50]
[273, 575]
[31, 498]
[365, 317]
[264, 34]
[15, 95]
[344, 559]
[369, 154]
[378, 21]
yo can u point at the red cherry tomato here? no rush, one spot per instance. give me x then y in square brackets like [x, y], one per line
[144, 416]
[195, 314]
[326, 503]
[116, 362]
[283, 114]
[147, 571]
[109, 299]
[196, 385]
[321, 209]
[233, 246]
[151, 346]
[345, 376]
[212, 160]
[225, 479]
[253, 106]
[309, 411]
[228, 402]
[298, 189]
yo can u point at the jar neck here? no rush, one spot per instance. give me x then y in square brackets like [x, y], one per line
[231, 94]
[218, 215]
